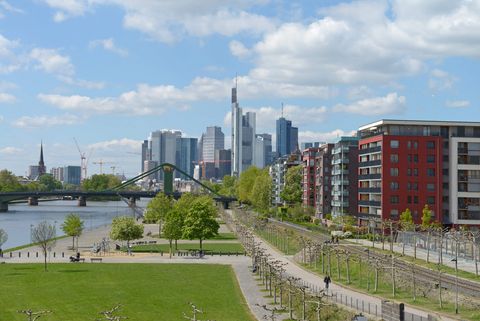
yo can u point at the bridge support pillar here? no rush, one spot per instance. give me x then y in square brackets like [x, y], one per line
[33, 201]
[3, 207]
[226, 205]
[82, 201]
[132, 201]
[168, 180]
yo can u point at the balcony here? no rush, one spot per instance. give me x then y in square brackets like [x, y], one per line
[369, 176]
[370, 150]
[340, 204]
[340, 193]
[339, 150]
[369, 189]
[338, 182]
[337, 161]
[377, 162]
[369, 203]
[340, 172]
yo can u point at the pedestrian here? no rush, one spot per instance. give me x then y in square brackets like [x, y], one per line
[327, 281]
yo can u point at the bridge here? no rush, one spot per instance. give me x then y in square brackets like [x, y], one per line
[117, 191]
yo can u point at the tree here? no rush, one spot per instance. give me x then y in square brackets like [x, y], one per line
[73, 226]
[245, 184]
[292, 191]
[44, 236]
[406, 223]
[173, 227]
[261, 194]
[124, 228]
[100, 182]
[9, 182]
[229, 186]
[158, 209]
[200, 220]
[3, 237]
[49, 183]
[426, 216]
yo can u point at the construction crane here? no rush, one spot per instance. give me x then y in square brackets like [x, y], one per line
[83, 160]
[101, 162]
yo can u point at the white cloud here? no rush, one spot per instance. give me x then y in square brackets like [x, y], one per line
[6, 98]
[47, 121]
[109, 45]
[457, 103]
[6, 6]
[8, 60]
[440, 80]
[238, 49]
[390, 104]
[168, 20]
[123, 143]
[359, 92]
[332, 136]
[10, 150]
[147, 99]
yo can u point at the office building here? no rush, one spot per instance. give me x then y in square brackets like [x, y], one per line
[72, 175]
[213, 139]
[345, 177]
[263, 150]
[223, 163]
[149, 165]
[188, 155]
[287, 137]
[306, 145]
[145, 154]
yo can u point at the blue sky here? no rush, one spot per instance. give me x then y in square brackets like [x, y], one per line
[108, 72]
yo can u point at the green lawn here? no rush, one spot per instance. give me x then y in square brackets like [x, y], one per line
[146, 291]
[215, 247]
[224, 236]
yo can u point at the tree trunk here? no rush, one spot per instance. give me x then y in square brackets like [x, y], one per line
[170, 241]
[45, 258]
[73, 243]
[160, 229]
[176, 245]
[201, 248]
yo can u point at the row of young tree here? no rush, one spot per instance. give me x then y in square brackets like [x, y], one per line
[190, 217]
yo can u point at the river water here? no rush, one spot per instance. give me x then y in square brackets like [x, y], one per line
[20, 218]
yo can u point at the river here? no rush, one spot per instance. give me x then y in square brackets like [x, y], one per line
[21, 218]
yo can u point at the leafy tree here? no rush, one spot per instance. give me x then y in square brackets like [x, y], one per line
[100, 182]
[73, 226]
[406, 219]
[200, 220]
[184, 203]
[124, 228]
[245, 184]
[213, 186]
[49, 183]
[44, 235]
[3, 237]
[292, 191]
[261, 194]
[426, 216]
[9, 182]
[158, 209]
[173, 227]
[228, 187]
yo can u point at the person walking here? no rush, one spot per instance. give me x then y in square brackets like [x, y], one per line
[327, 281]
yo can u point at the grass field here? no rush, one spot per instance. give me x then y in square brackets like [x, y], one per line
[215, 247]
[147, 292]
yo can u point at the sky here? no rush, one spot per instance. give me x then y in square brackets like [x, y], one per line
[109, 72]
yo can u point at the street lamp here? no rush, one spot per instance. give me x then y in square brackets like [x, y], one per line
[456, 284]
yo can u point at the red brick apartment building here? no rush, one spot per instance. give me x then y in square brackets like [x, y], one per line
[410, 163]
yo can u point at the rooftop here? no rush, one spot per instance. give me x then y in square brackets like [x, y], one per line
[419, 123]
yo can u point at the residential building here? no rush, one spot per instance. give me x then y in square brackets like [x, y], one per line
[306, 145]
[323, 181]
[345, 177]
[278, 170]
[287, 137]
[309, 176]
[57, 173]
[413, 163]
[72, 175]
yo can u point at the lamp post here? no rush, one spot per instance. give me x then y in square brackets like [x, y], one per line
[456, 284]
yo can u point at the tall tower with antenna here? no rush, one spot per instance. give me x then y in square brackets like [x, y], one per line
[236, 133]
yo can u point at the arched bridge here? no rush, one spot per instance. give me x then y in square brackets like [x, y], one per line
[132, 196]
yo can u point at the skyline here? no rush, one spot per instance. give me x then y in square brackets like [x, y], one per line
[109, 72]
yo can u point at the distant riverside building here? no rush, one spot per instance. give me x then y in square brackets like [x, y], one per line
[188, 155]
[149, 165]
[72, 175]
[345, 176]
[145, 154]
[263, 150]
[413, 163]
[57, 173]
[212, 141]
[287, 137]
[306, 145]
[277, 172]
[33, 172]
[243, 137]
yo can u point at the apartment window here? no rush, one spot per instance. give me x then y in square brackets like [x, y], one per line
[409, 199]
[393, 171]
[430, 187]
[409, 144]
[394, 199]
[394, 158]
[409, 172]
[415, 172]
[430, 200]
[394, 186]
[394, 143]
[431, 145]
[431, 172]
[394, 214]
[431, 158]
[415, 199]
[415, 158]
[415, 144]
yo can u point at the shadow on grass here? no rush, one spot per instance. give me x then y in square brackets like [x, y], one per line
[73, 271]
[20, 268]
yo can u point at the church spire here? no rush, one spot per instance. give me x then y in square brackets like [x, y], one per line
[41, 164]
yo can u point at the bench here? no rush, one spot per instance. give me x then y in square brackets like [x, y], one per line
[96, 259]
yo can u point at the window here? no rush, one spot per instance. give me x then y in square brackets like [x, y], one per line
[394, 214]
[415, 144]
[409, 199]
[394, 158]
[414, 186]
[409, 144]
[430, 158]
[394, 143]
[430, 200]
[415, 172]
[409, 172]
[431, 145]
[394, 186]
[415, 158]
[430, 187]
[431, 172]
[415, 199]
[394, 199]
[394, 171]
[445, 158]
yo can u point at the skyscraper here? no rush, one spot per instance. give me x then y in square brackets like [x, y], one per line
[287, 137]
[145, 155]
[243, 137]
[188, 155]
[263, 150]
[213, 139]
